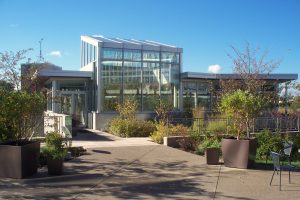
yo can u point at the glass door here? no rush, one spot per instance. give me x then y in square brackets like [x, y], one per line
[74, 103]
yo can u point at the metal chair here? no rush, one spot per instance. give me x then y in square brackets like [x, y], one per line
[278, 167]
[287, 150]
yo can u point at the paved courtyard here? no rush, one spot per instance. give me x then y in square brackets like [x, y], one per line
[116, 168]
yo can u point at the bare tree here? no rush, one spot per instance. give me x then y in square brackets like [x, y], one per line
[251, 69]
[10, 70]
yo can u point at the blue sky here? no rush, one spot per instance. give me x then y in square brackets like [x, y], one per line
[205, 29]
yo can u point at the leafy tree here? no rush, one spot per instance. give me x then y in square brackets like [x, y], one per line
[241, 107]
[20, 113]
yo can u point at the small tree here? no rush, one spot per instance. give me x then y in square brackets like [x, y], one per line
[251, 68]
[163, 110]
[20, 112]
[127, 109]
[241, 107]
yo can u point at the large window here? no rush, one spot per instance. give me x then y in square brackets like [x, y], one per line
[132, 82]
[170, 57]
[151, 56]
[132, 55]
[139, 76]
[189, 95]
[196, 95]
[151, 74]
[111, 84]
[114, 54]
[169, 81]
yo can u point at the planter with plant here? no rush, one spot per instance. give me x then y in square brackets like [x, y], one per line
[20, 114]
[210, 147]
[241, 107]
[55, 153]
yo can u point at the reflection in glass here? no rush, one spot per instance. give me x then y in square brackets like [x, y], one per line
[133, 55]
[109, 53]
[196, 95]
[132, 82]
[142, 77]
[111, 75]
[150, 85]
[170, 57]
[170, 83]
[151, 56]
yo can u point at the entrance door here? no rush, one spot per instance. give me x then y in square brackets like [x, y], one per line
[74, 103]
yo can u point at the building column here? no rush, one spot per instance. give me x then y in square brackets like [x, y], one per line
[286, 98]
[99, 85]
[54, 96]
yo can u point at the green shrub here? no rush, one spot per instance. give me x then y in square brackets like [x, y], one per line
[20, 113]
[131, 127]
[54, 146]
[241, 107]
[295, 155]
[213, 142]
[267, 142]
[163, 130]
[54, 139]
[217, 127]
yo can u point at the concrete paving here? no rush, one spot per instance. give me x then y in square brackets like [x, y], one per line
[149, 171]
[95, 139]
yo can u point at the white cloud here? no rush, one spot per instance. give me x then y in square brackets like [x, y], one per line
[214, 69]
[57, 54]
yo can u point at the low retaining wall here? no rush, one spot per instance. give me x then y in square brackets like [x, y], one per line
[173, 141]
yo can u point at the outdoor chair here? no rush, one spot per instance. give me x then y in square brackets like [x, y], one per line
[287, 150]
[278, 167]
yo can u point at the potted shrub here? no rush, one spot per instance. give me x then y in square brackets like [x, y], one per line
[211, 148]
[241, 107]
[20, 114]
[55, 153]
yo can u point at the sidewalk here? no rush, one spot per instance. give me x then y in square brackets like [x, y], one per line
[149, 172]
[97, 139]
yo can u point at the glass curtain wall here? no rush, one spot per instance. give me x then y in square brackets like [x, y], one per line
[140, 76]
[132, 73]
[111, 74]
[88, 53]
[151, 73]
[196, 94]
[169, 80]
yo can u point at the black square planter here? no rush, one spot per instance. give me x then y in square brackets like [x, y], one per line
[19, 161]
[239, 153]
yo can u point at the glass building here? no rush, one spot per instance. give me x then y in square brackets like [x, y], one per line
[114, 69]
[140, 70]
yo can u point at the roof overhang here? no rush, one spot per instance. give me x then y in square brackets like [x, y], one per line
[210, 76]
[101, 41]
[65, 73]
